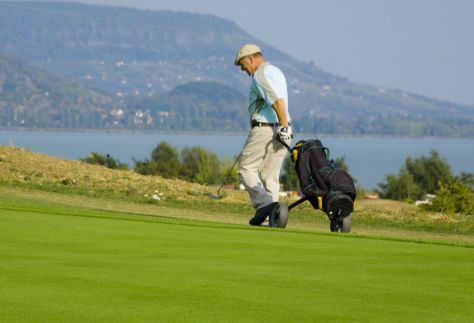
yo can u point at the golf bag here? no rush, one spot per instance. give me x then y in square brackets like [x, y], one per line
[324, 185]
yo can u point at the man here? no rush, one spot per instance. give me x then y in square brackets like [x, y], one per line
[263, 152]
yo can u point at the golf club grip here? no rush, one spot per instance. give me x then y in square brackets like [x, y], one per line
[283, 143]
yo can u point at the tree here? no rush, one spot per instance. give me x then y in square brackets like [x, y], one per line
[428, 172]
[416, 178]
[166, 158]
[164, 162]
[401, 187]
[199, 165]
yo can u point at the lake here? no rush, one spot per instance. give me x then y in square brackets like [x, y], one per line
[369, 159]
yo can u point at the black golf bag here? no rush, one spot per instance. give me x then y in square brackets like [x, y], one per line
[323, 184]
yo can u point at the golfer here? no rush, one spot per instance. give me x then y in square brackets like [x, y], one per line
[263, 154]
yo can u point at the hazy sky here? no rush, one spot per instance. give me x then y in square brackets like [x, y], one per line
[422, 46]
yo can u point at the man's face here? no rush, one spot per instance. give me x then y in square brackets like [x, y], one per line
[246, 65]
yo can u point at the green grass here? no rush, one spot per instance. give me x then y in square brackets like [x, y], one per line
[61, 261]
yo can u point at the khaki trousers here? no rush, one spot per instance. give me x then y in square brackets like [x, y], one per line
[260, 165]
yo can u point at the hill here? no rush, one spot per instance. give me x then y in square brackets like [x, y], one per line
[135, 53]
[31, 97]
[201, 106]
[20, 167]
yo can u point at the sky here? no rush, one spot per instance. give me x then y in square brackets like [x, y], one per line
[420, 46]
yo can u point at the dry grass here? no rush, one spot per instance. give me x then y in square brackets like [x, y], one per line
[21, 167]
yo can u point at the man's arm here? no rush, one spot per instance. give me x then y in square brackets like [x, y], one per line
[280, 109]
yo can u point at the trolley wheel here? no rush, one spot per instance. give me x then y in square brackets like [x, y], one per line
[279, 216]
[342, 225]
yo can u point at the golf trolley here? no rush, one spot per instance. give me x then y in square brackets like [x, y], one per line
[322, 183]
[340, 222]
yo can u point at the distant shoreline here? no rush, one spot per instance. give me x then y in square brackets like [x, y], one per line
[216, 133]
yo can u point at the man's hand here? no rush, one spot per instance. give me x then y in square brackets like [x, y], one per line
[284, 136]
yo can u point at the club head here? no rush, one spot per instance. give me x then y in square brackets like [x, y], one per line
[215, 197]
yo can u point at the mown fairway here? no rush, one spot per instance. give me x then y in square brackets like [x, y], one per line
[66, 264]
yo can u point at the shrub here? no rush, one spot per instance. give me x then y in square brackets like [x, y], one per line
[200, 166]
[104, 160]
[416, 178]
[467, 179]
[166, 158]
[146, 167]
[453, 197]
[164, 162]
[193, 164]
[428, 172]
[401, 187]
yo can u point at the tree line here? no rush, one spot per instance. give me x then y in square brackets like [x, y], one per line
[431, 175]
[416, 177]
[192, 164]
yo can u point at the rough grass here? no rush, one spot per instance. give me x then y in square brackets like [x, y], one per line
[22, 169]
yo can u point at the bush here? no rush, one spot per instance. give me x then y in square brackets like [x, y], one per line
[467, 179]
[416, 178]
[193, 164]
[164, 162]
[401, 187]
[146, 167]
[167, 161]
[104, 160]
[200, 166]
[428, 172]
[453, 197]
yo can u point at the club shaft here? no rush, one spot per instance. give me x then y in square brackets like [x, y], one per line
[228, 173]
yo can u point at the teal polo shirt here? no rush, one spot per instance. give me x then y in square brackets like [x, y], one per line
[268, 85]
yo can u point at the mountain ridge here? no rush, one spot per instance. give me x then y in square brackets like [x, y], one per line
[134, 53]
[32, 97]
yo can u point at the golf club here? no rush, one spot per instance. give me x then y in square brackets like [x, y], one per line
[218, 196]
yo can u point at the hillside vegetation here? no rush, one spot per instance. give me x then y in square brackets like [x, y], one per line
[32, 97]
[26, 169]
[42, 177]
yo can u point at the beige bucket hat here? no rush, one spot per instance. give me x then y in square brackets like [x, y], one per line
[246, 50]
